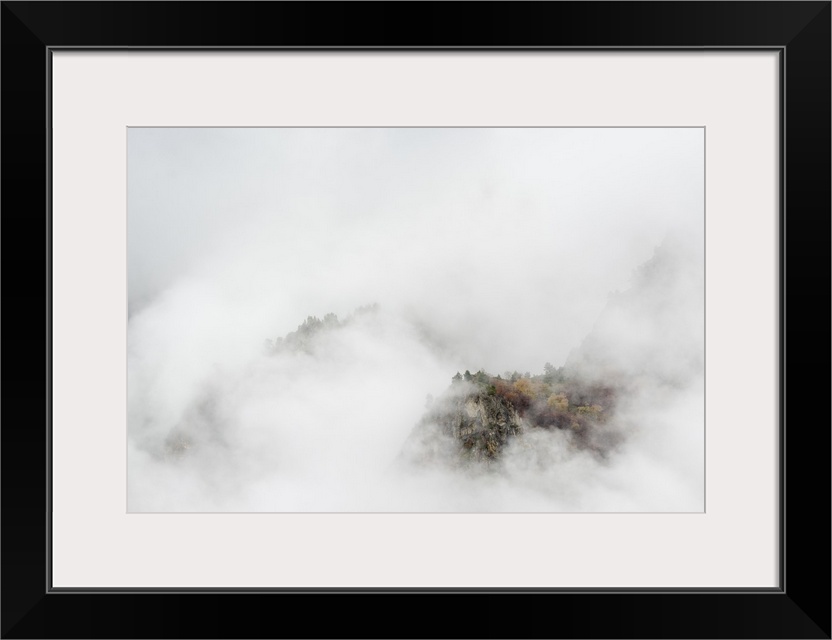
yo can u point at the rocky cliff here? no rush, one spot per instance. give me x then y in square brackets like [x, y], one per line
[475, 421]
[466, 425]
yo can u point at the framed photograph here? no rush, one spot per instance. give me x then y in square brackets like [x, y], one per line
[297, 310]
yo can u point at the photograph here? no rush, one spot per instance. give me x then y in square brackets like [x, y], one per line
[416, 320]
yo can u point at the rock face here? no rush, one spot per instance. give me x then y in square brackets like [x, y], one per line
[483, 424]
[467, 425]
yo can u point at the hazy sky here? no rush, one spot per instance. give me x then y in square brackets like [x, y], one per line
[500, 245]
[490, 233]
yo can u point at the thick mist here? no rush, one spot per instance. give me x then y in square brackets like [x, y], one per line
[494, 249]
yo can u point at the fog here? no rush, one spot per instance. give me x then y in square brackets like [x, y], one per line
[495, 249]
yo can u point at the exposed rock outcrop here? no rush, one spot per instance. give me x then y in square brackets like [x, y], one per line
[474, 422]
[466, 425]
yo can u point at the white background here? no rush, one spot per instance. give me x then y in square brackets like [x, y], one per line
[97, 95]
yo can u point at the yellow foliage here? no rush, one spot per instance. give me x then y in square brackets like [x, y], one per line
[593, 411]
[524, 386]
[558, 401]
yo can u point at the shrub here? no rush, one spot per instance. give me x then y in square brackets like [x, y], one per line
[558, 401]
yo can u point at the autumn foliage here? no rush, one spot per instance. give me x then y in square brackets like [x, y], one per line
[568, 404]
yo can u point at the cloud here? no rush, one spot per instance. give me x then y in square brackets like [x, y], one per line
[485, 248]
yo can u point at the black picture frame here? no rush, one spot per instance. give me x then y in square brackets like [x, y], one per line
[799, 608]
